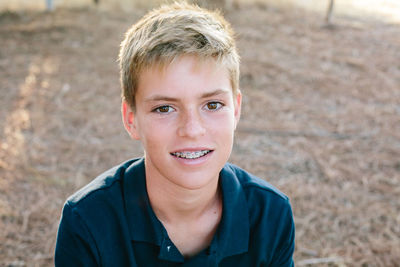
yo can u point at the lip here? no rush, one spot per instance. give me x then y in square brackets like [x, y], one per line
[198, 161]
[192, 149]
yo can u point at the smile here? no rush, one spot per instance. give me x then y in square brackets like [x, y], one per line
[191, 155]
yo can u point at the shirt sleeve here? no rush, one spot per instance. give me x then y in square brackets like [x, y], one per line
[284, 255]
[75, 246]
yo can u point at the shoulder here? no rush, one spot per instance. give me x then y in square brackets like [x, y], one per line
[266, 213]
[252, 184]
[269, 212]
[265, 203]
[106, 184]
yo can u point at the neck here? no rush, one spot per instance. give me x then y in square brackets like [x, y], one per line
[173, 203]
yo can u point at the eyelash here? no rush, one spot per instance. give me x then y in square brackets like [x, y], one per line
[218, 104]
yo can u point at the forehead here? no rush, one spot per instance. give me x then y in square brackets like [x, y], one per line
[184, 76]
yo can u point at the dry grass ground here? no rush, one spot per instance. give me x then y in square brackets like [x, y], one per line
[321, 121]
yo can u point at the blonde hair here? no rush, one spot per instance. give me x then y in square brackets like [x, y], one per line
[170, 32]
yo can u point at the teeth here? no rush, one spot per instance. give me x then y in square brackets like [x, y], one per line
[191, 155]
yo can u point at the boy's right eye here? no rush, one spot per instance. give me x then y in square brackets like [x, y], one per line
[163, 109]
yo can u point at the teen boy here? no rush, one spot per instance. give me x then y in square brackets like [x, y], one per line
[181, 204]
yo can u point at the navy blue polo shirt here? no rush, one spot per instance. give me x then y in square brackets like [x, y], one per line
[110, 222]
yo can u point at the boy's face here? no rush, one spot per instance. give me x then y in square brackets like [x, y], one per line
[185, 118]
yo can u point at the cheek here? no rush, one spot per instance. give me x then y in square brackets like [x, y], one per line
[222, 124]
[155, 133]
[225, 118]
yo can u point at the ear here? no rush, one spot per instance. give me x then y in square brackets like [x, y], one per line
[238, 106]
[128, 117]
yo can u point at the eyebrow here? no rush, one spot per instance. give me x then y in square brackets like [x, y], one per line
[173, 99]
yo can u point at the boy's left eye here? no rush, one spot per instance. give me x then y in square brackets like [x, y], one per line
[213, 105]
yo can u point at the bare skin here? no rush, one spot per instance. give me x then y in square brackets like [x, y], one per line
[190, 218]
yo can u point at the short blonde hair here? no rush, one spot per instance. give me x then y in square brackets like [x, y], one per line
[172, 31]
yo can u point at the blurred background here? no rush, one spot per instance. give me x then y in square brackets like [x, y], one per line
[321, 117]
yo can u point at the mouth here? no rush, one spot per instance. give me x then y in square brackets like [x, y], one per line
[191, 154]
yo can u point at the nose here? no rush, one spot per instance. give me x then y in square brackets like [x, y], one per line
[191, 124]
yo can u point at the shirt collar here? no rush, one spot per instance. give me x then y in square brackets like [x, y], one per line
[232, 236]
[234, 230]
[144, 225]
